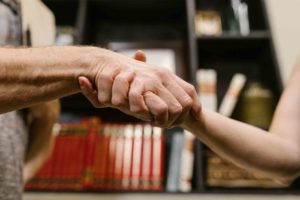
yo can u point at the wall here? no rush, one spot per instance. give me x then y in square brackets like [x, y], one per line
[284, 18]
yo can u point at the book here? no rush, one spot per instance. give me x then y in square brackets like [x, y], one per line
[172, 183]
[157, 159]
[231, 97]
[89, 155]
[119, 157]
[187, 162]
[146, 158]
[207, 87]
[127, 153]
[111, 158]
[136, 157]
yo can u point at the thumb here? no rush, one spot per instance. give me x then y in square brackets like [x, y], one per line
[140, 56]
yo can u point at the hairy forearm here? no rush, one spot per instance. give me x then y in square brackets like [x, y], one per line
[34, 75]
[246, 146]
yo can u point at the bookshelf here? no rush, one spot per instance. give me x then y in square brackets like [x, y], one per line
[101, 22]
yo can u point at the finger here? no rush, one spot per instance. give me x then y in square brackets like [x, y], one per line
[196, 107]
[120, 89]
[174, 107]
[140, 56]
[136, 100]
[88, 90]
[158, 108]
[182, 97]
[104, 82]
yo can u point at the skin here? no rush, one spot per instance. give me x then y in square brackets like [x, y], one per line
[41, 119]
[274, 153]
[35, 77]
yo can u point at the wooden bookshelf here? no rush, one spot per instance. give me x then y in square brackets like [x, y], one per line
[99, 22]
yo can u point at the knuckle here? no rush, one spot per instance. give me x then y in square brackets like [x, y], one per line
[105, 78]
[161, 72]
[121, 79]
[118, 101]
[138, 110]
[190, 89]
[133, 95]
[188, 102]
[103, 99]
[177, 110]
[162, 109]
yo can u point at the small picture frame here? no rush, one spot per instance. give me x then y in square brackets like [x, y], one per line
[159, 53]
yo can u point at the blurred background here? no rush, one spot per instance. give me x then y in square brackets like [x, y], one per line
[239, 50]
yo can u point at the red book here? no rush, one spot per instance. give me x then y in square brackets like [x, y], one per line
[157, 160]
[101, 153]
[111, 158]
[119, 157]
[89, 156]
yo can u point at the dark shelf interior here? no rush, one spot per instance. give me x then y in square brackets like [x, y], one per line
[65, 11]
[136, 20]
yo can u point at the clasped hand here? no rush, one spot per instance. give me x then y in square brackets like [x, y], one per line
[144, 91]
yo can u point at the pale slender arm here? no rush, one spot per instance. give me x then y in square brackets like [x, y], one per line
[275, 153]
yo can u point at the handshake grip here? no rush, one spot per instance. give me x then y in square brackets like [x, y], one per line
[141, 90]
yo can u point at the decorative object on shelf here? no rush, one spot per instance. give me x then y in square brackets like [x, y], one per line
[208, 23]
[159, 53]
[257, 105]
[240, 20]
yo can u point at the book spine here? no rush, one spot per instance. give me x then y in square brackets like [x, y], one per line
[119, 157]
[175, 162]
[90, 150]
[146, 162]
[157, 159]
[128, 133]
[207, 86]
[111, 158]
[136, 157]
[230, 99]
[187, 163]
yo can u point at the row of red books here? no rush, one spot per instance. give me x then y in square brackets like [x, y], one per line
[94, 156]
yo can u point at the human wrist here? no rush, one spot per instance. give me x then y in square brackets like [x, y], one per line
[93, 62]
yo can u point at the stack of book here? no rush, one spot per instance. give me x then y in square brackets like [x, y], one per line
[221, 173]
[90, 155]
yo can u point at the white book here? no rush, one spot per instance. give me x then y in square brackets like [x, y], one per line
[207, 86]
[187, 163]
[230, 99]
[243, 19]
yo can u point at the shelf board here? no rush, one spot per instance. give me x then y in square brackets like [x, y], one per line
[230, 36]
[73, 196]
